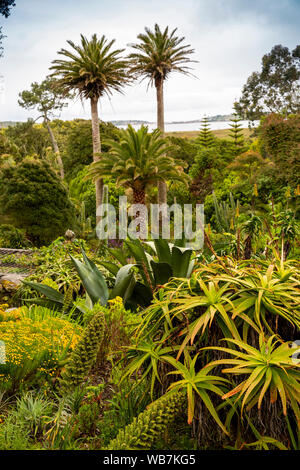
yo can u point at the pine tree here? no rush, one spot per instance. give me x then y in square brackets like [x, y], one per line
[205, 138]
[236, 134]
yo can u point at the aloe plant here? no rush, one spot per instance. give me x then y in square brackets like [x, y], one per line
[146, 355]
[268, 369]
[196, 383]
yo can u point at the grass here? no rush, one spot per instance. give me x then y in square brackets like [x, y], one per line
[220, 133]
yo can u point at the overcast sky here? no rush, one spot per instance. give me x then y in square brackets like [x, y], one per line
[229, 37]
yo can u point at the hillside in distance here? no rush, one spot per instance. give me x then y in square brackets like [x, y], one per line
[217, 117]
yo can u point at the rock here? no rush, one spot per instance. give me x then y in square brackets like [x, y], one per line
[12, 281]
[70, 235]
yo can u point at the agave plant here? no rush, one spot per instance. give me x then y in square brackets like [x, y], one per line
[167, 261]
[93, 282]
[269, 368]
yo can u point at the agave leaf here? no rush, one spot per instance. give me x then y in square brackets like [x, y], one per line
[48, 291]
[181, 261]
[137, 250]
[141, 296]
[124, 284]
[163, 251]
[118, 254]
[111, 267]
[93, 281]
[161, 271]
[44, 303]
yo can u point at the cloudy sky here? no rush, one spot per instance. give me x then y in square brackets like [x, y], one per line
[229, 37]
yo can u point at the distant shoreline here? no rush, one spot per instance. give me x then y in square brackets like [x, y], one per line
[125, 122]
[218, 117]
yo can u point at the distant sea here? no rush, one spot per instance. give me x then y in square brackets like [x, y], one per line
[190, 126]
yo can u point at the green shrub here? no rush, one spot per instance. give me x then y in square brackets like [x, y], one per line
[12, 237]
[88, 416]
[36, 341]
[33, 411]
[13, 435]
[35, 198]
[129, 399]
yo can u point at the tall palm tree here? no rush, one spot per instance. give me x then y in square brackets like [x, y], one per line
[137, 160]
[92, 70]
[157, 55]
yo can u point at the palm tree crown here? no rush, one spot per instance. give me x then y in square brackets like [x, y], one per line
[92, 68]
[137, 160]
[158, 54]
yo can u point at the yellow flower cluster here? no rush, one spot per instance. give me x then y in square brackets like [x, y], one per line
[7, 315]
[26, 338]
[116, 302]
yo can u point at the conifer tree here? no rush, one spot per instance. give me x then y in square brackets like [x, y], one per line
[236, 134]
[205, 138]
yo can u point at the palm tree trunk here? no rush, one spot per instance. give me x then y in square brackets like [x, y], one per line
[162, 187]
[139, 196]
[160, 105]
[55, 148]
[96, 150]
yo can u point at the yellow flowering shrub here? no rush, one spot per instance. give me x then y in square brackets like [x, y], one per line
[11, 314]
[34, 341]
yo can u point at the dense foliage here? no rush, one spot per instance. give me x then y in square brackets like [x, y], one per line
[130, 344]
[275, 88]
[33, 196]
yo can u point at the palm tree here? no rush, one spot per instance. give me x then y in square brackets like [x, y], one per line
[157, 55]
[137, 160]
[92, 70]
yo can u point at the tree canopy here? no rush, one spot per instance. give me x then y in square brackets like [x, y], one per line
[45, 97]
[91, 69]
[276, 88]
[137, 160]
[5, 6]
[158, 53]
